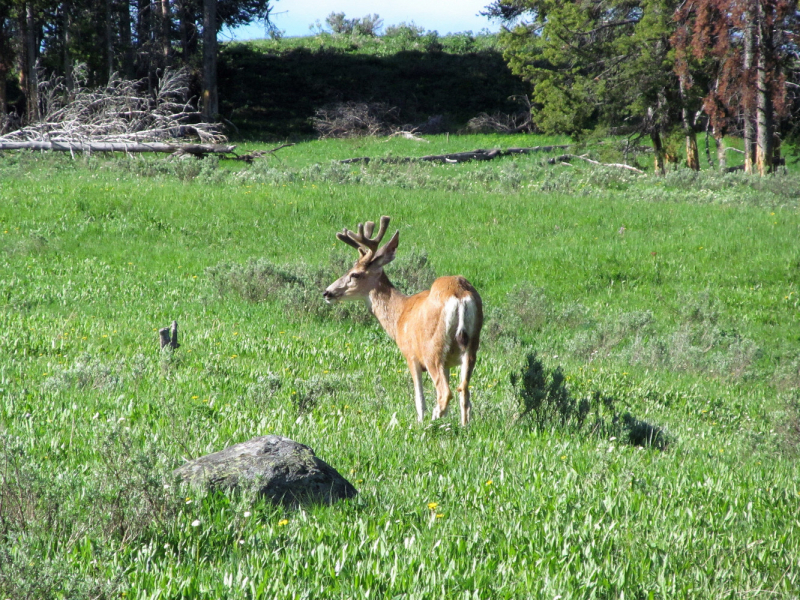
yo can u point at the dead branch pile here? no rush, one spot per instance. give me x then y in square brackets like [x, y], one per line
[122, 112]
[501, 123]
[518, 122]
[356, 119]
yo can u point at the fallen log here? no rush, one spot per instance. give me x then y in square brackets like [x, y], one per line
[565, 158]
[457, 157]
[198, 150]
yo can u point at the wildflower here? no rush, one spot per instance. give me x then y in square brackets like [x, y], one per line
[247, 513]
[283, 522]
[196, 522]
[195, 397]
[563, 457]
[490, 482]
[433, 505]
[439, 515]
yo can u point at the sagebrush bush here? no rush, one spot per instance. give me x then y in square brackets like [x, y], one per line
[44, 521]
[299, 287]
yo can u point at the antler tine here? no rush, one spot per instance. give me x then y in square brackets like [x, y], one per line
[344, 236]
[363, 239]
[382, 231]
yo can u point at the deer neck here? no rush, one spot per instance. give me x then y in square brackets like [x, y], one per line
[386, 302]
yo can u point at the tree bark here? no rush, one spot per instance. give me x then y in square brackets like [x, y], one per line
[188, 31]
[144, 41]
[765, 123]
[166, 33]
[109, 39]
[210, 99]
[142, 23]
[125, 40]
[658, 150]
[5, 64]
[719, 138]
[66, 41]
[28, 78]
[3, 99]
[747, 99]
[692, 153]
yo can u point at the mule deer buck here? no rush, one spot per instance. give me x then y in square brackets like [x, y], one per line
[435, 330]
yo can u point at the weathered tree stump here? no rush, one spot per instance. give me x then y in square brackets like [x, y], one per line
[286, 472]
[169, 336]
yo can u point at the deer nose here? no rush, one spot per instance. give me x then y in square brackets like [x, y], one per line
[327, 295]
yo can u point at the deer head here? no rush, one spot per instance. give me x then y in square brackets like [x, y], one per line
[357, 283]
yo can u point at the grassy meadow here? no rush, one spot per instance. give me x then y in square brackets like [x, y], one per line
[636, 415]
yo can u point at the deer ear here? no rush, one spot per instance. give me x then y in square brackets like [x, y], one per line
[386, 254]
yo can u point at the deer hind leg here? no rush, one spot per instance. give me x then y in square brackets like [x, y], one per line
[419, 392]
[467, 365]
[441, 379]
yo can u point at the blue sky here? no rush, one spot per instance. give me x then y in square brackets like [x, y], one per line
[445, 16]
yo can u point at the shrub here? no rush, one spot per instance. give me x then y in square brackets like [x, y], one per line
[299, 287]
[368, 25]
[44, 523]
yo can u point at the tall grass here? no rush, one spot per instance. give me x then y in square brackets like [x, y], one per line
[670, 306]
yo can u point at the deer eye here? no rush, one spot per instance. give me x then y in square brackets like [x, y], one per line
[355, 275]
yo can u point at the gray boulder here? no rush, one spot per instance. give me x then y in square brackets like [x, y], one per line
[284, 471]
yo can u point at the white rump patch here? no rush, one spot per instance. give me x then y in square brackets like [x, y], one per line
[451, 319]
[466, 315]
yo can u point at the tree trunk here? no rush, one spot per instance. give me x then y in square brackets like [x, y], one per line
[3, 99]
[692, 153]
[747, 99]
[66, 41]
[210, 100]
[719, 137]
[125, 40]
[142, 24]
[188, 31]
[765, 123]
[144, 43]
[166, 33]
[658, 149]
[28, 78]
[109, 39]
[5, 64]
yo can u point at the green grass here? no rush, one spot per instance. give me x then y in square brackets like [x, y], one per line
[687, 320]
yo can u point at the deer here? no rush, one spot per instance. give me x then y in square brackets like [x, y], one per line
[435, 329]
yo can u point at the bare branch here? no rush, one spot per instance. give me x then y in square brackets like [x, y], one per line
[122, 112]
